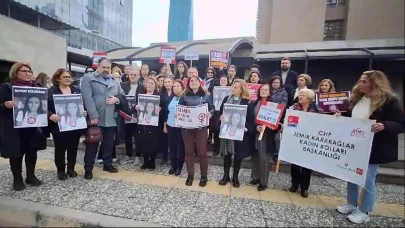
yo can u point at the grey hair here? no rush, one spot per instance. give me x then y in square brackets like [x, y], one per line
[309, 93]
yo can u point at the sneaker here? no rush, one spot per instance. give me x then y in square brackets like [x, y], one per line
[114, 159]
[99, 161]
[126, 159]
[346, 209]
[137, 161]
[358, 217]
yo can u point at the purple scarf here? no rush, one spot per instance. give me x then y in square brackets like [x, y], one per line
[19, 82]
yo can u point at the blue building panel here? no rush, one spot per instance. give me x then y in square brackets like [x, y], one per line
[181, 26]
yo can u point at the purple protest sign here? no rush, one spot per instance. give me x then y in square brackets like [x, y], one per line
[331, 102]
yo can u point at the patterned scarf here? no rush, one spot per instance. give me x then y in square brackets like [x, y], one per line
[227, 146]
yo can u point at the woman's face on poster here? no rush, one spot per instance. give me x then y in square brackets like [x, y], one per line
[235, 119]
[150, 107]
[223, 81]
[72, 109]
[33, 104]
[223, 95]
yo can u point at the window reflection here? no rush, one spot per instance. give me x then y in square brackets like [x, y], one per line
[79, 21]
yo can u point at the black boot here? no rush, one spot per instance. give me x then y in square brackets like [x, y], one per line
[31, 178]
[62, 175]
[203, 181]
[235, 177]
[227, 166]
[189, 180]
[16, 169]
[71, 172]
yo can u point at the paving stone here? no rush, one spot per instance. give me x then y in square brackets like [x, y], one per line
[316, 217]
[76, 199]
[251, 208]
[98, 185]
[375, 221]
[182, 197]
[279, 212]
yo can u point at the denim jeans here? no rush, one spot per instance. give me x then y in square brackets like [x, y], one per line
[370, 190]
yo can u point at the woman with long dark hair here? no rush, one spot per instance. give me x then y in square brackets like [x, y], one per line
[181, 70]
[166, 94]
[17, 143]
[196, 139]
[66, 142]
[264, 148]
[32, 114]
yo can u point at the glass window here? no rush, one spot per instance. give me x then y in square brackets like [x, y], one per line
[333, 30]
[335, 2]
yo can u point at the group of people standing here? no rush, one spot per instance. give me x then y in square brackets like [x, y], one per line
[104, 92]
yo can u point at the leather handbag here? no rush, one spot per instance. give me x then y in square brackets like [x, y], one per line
[94, 135]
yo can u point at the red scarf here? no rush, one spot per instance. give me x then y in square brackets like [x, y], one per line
[19, 82]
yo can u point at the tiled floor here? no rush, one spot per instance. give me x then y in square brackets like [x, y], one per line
[158, 198]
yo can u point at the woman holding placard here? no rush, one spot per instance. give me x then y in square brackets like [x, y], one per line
[373, 98]
[147, 138]
[196, 138]
[66, 142]
[254, 77]
[214, 121]
[17, 143]
[300, 176]
[174, 133]
[326, 86]
[263, 147]
[238, 149]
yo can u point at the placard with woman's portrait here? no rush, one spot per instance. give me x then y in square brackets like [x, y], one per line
[69, 108]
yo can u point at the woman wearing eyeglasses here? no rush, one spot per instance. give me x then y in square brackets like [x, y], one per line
[17, 143]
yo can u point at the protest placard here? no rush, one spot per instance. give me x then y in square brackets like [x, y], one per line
[218, 94]
[148, 109]
[336, 146]
[192, 117]
[218, 59]
[167, 55]
[69, 108]
[31, 106]
[131, 103]
[253, 90]
[334, 101]
[233, 123]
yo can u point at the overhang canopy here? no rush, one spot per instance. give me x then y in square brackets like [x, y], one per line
[378, 48]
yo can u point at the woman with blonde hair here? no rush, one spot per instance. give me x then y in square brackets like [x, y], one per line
[373, 98]
[116, 69]
[303, 82]
[326, 86]
[239, 149]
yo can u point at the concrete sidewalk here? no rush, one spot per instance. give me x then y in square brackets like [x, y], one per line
[158, 199]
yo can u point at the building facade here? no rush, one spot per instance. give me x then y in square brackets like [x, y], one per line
[90, 24]
[291, 21]
[181, 24]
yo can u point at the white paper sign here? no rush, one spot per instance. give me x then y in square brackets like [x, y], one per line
[191, 55]
[336, 146]
[192, 117]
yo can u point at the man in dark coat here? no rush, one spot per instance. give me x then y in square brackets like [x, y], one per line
[289, 78]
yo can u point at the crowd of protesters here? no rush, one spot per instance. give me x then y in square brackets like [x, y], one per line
[104, 92]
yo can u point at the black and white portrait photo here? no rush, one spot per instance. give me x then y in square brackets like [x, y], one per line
[70, 109]
[31, 109]
[131, 103]
[233, 123]
[218, 95]
[148, 109]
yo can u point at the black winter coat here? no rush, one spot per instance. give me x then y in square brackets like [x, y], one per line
[385, 143]
[15, 142]
[242, 148]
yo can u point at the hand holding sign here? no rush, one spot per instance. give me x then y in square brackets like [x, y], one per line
[9, 104]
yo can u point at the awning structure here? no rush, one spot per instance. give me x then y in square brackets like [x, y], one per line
[370, 49]
[236, 47]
